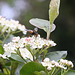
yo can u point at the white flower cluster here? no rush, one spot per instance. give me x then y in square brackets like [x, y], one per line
[20, 44]
[12, 48]
[11, 25]
[34, 42]
[66, 62]
[61, 64]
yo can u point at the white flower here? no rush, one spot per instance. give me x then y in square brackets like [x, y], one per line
[66, 62]
[62, 64]
[22, 28]
[4, 29]
[11, 25]
[24, 32]
[47, 63]
[53, 62]
[49, 68]
[70, 64]
[16, 39]
[8, 49]
[21, 43]
[63, 61]
[57, 64]
[50, 43]
[26, 54]
[38, 42]
[3, 56]
[46, 60]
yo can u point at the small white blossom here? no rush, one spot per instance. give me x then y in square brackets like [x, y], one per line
[22, 28]
[63, 61]
[3, 56]
[16, 39]
[11, 25]
[46, 60]
[47, 63]
[52, 43]
[9, 48]
[66, 62]
[57, 64]
[70, 64]
[62, 64]
[49, 68]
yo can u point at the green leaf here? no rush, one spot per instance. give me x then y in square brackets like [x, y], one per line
[8, 63]
[56, 55]
[2, 74]
[17, 58]
[42, 24]
[39, 73]
[30, 68]
[54, 10]
[1, 50]
[71, 72]
[0, 41]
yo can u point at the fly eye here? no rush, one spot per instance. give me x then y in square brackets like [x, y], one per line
[36, 29]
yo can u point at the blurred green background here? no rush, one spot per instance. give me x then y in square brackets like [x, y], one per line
[24, 10]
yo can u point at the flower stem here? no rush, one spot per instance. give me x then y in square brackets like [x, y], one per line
[53, 71]
[43, 56]
[56, 71]
[50, 73]
[61, 71]
[7, 71]
[16, 32]
[13, 67]
[66, 71]
[48, 33]
[44, 53]
[5, 38]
